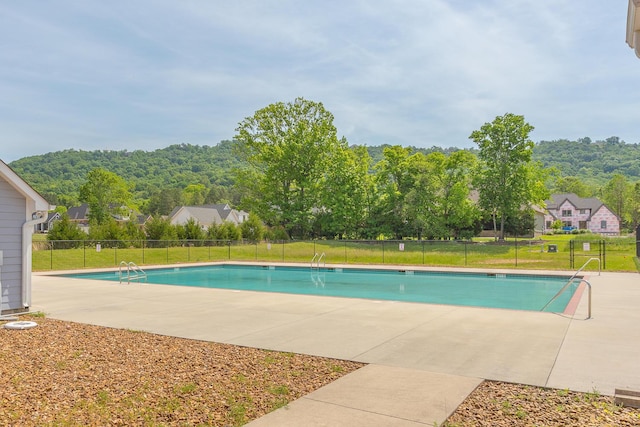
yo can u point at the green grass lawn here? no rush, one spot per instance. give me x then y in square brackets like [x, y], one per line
[617, 254]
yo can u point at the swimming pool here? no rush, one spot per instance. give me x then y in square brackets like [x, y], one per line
[510, 291]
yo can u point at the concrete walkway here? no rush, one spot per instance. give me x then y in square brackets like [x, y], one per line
[424, 359]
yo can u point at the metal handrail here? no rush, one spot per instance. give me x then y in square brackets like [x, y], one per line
[126, 265]
[584, 265]
[320, 259]
[571, 279]
[132, 267]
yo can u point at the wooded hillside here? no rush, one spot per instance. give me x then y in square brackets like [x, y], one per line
[58, 175]
[593, 162]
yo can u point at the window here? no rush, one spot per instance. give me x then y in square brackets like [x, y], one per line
[567, 212]
[603, 225]
[567, 224]
[583, 211]
[549, 224]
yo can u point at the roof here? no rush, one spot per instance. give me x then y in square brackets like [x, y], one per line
[79, 212]
[210, 214]
[633, 26]
[203, 215]
[22, 187]
[52, 215]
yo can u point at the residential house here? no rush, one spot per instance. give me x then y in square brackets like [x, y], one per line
[577, 213]
[207, 214]
[44, 227]
[538, 220]
[141, 220]
[79, 215]
[21, 209]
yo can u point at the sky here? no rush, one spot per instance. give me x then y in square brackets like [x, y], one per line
[143, 75]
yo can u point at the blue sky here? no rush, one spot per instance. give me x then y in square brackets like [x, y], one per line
[99, 75]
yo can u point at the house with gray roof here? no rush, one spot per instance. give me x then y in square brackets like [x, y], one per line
[46, 226]
[206, 215]
[578, 213]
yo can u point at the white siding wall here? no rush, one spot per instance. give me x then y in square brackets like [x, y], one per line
[12, 217]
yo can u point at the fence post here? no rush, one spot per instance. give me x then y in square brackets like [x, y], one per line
[84, 253]
[383, 251]
[345, 252]
[51, 255]
[465, 252]
[571, 254]
[516, 240]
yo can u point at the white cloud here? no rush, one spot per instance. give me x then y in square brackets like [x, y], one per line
[97, 74]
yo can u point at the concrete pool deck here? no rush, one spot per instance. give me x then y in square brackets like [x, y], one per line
[424, 359]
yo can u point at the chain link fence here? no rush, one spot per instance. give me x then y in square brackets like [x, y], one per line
[549, 254]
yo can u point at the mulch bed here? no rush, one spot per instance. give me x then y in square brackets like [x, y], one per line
[498, 404]
[63, 373]
[70, 374]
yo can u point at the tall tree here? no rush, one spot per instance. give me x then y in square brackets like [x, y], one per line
[572, 184]
[194, 194]
[345, 194]
[617, 194]
[439, 205]
[460, 214]
[106, 194]
[287, 147]
[505, 181]
[634, 207]
[395, 177]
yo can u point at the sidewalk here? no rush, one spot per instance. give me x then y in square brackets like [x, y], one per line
[425, 359]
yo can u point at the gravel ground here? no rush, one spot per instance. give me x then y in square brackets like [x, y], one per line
[68, 374]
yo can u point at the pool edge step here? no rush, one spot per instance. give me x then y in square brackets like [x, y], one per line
[627, 398]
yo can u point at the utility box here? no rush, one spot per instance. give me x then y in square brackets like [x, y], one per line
[553, 249]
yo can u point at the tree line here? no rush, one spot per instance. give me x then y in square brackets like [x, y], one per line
[288, 168]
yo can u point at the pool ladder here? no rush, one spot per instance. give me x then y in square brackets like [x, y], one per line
[133, 272]
[320, 258]
[317, 277]
[570, 281]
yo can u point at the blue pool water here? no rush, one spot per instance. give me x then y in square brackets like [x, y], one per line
[512, 291]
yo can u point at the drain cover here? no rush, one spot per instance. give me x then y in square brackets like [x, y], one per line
[20, 325]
